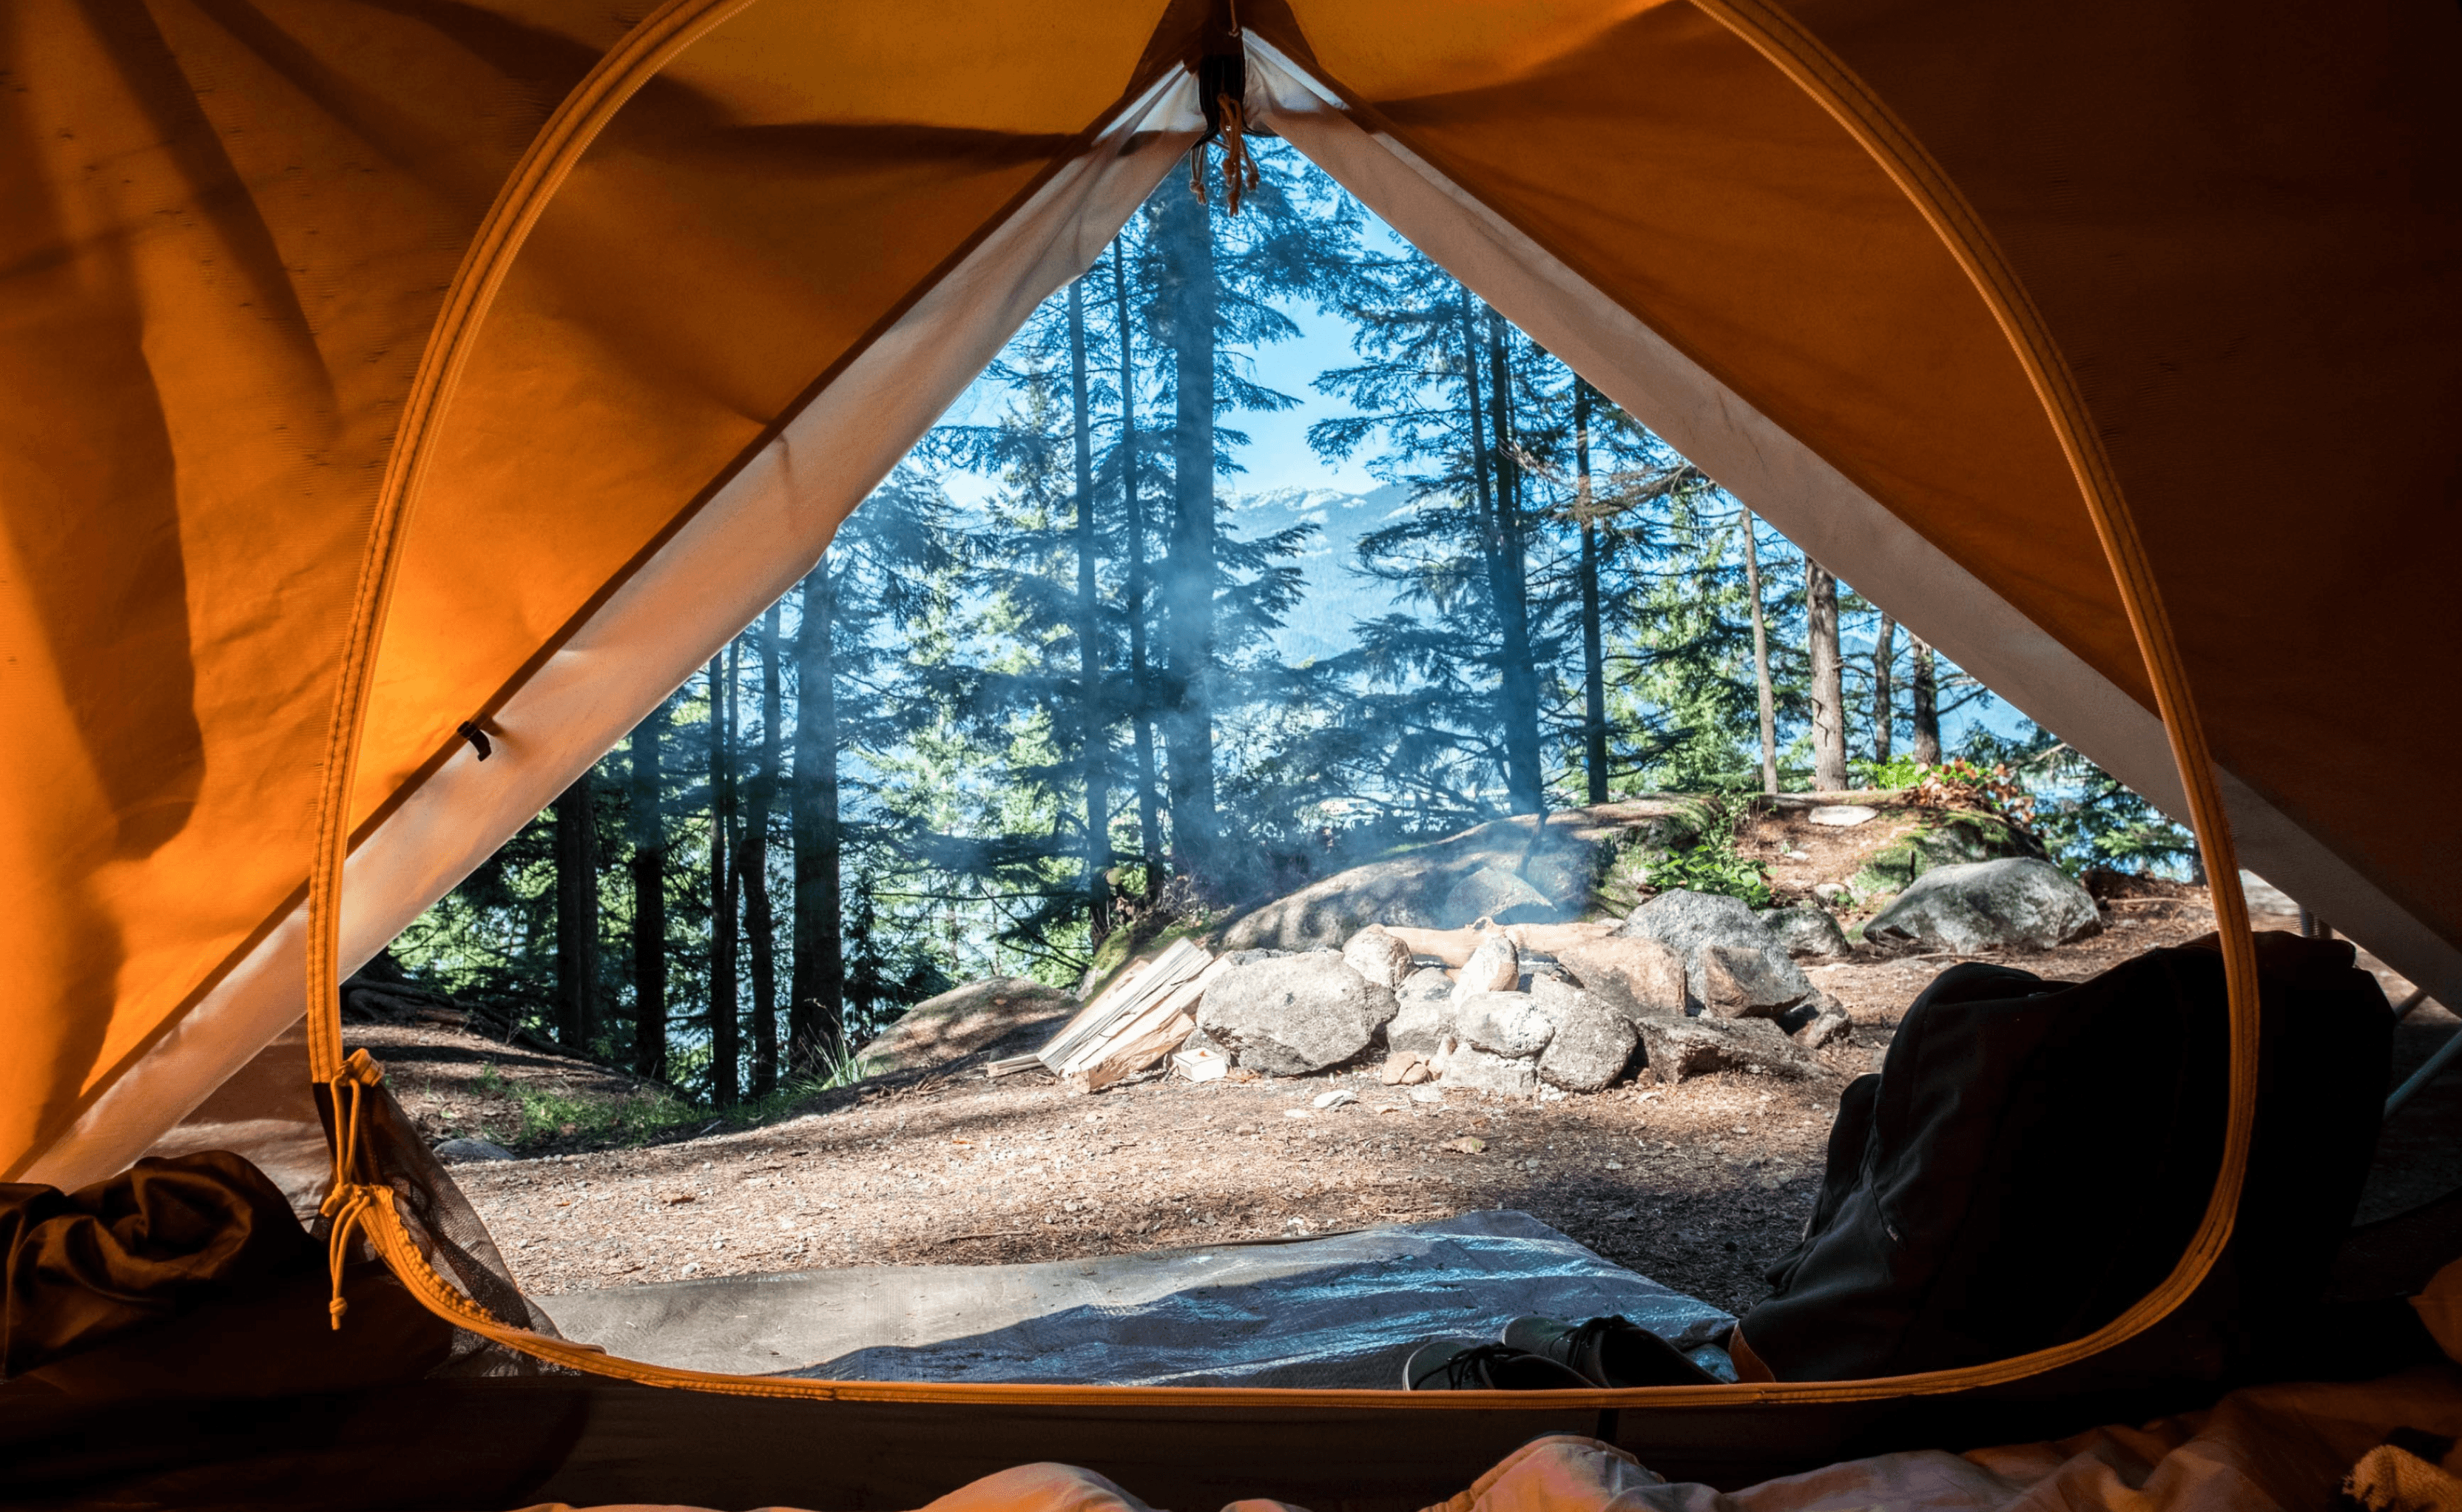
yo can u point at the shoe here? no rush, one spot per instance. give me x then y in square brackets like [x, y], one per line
[1463, 1365]
[1608, 1352]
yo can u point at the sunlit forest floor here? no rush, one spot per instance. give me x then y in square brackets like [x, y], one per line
[1698, 1185]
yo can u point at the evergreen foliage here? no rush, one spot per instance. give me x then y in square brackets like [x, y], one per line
[982, 737]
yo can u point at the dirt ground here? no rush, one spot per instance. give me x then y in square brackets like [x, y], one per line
[1699, 1185]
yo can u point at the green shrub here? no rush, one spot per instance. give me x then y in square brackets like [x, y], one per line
[1707, 859]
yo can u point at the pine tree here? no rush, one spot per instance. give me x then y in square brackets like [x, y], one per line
[1829, 687]
[724, 1082]
[752, 863]
[576, 915]
[1925, 693]
[648, 868]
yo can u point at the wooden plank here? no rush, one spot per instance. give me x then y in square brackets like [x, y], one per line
[1105, 1002]
[1185, 959]
[1010, 1066]
[1181, 1000]
[1132, 1053]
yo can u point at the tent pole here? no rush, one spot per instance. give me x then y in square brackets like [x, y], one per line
[2419, 1079]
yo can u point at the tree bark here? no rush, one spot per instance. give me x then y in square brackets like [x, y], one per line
[1885, 696]
[1924, 691]
[649, 869]
[1094, 726]
[576, 915]
[1187, 239]
[753, 869]
[1140, 684]
[1594, 679]
[816, 999]
[1763, 691]
[1518, 672]
[724, 1043]
[1828, 678]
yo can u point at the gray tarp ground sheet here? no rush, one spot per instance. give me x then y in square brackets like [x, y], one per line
[1340, 1311]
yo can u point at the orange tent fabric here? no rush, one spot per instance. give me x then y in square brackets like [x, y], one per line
[234, 237]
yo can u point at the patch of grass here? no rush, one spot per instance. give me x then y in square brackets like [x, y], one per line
[1711, 862]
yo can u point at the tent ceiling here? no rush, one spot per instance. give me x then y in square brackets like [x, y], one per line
[225, 235]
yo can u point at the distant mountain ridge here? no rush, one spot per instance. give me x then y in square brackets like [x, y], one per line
[1336, 596]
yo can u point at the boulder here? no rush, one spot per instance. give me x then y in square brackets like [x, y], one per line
[1425, 1016]
[1945, 838]
[1740, 985]
[456, 1152]
[1594, 1040]
[1418, 887]
[1494, 893]
[1508, 1024]
[1828, 1027]
[1000, 1016]
[1805, 930]
[2017, 903]
[1378, 956]
[1688, 921]
[1402, 1069]
[1467, 1066]
[1289, 1015]
[1681, 1048]
[1842, 816]
[1635, 976]
[1495, 966]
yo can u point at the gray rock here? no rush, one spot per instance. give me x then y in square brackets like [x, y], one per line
[1378, 956]
[1806, 930]
[458, 1152]
[1829, 1027]
[1636, 976]
[1467, 1066]
[1495, 966]
[1593, 1042]
[1740, 985]
[1494, 893]
[1842, 816]
[1415, 887]
[1508, 1024]
[1688, 921]
[2016, 903]
[1241, 957]
[1288, 1015]
[1679, 1050]
[1425, 1016]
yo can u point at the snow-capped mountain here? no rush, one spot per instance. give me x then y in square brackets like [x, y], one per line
[1336, 596]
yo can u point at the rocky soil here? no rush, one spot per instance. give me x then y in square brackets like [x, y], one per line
[1700, 1184]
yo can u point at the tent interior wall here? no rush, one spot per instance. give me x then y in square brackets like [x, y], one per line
[229, 232]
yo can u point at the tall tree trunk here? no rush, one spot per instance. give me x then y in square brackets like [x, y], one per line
[649, 870]
[1828, 678]
[1885, 696]
[753, 869]
[1140, 684]
[1763, 690]
[724, 1045]
[1925, 693]
[1095, 724]
[1187, 245]
[1518, 680]
[817, 999]
[1482, 493]
[576, 915]
[1594, 671]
